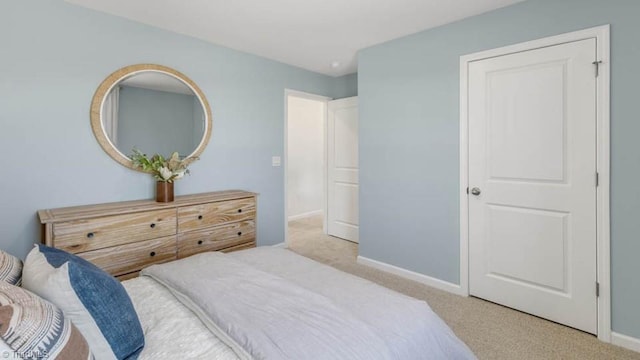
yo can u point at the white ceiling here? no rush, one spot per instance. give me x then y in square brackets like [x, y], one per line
[310, 34]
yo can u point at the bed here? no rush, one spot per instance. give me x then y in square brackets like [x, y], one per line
[401, 327]
[179, 335]
[260, 303]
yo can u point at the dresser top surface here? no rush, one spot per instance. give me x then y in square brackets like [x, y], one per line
[124, 207]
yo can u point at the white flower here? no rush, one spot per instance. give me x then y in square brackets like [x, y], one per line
[165, 173]
[180, 174]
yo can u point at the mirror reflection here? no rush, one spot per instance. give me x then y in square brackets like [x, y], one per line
[154, 112]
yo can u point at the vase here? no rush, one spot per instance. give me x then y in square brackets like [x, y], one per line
[164, 191]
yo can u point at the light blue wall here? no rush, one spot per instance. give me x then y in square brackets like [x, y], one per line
[53, 56]
[157, 122]
[345, 86]
[409, 114]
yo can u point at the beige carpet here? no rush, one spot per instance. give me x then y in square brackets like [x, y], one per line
[491, 331]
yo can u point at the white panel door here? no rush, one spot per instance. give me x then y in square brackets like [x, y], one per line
[532, 168]
[342, 162]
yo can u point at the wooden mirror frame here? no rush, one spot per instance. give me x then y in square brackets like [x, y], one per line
[115, 78]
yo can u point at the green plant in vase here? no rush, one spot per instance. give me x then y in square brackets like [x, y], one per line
[164, 170]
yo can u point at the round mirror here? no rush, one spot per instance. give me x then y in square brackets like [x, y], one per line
[152, 108]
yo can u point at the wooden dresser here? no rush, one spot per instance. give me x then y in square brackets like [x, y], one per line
[124, 237]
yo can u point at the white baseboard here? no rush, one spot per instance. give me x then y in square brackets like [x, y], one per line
[625, 341]
[280, 245]
[305, 215]
[411, 275]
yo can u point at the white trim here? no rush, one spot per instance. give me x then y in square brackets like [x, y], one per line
[305, 215]
[282, 245]
[601, 34]
[285, 156]
[625, 341]
[306, 95]
[464, 177]
[603, 190]
[596, 32]
[325, 169]
[411, 275]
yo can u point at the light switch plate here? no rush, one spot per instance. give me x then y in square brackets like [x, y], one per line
[275, 161]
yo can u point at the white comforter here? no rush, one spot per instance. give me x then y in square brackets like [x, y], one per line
[270, 303]
[171, 331]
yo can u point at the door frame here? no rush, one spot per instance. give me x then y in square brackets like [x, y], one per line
[304, 95]
[603, 266]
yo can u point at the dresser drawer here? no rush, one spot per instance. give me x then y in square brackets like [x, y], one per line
[216, 238]
[206, 215]
[98, 233]
[124, 259]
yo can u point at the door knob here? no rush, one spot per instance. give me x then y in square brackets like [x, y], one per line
[475, 191]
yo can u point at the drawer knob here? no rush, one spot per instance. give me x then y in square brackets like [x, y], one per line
[199, 217]
[153, 253]
[199, 242]
[152, 225]
[239, 233]
[90, 235]
[239, 210]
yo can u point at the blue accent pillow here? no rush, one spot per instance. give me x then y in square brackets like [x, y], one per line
[95, 301]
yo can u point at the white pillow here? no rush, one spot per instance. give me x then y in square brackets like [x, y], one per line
[6, 352]
[94, 301]
[33, 328]
[10, 268]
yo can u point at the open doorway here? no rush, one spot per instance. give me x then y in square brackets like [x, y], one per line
[305, 166]
[321, 214]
